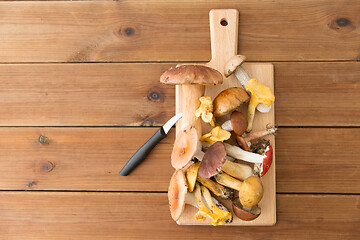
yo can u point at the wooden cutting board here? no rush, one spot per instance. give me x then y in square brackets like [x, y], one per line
[224, 39]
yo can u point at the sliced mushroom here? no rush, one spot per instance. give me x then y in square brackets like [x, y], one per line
[215, 161]
[262, 162]
[223, 215]
[216, 188]
[229, 100]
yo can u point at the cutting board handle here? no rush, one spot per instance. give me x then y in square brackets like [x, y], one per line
[224, 36]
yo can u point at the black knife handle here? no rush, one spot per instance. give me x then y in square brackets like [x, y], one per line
[141, 154]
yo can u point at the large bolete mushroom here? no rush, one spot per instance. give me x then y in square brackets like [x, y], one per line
[191, 80]
[229, 100]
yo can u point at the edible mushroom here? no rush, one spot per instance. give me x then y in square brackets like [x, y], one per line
[262, 161]
[228, 100]
[215, 161]
[244, 141]
[234, 65]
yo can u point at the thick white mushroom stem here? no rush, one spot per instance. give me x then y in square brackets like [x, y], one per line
[222, 214]
[254, 135]
[228, 181]
[199, 154]
[246, 156]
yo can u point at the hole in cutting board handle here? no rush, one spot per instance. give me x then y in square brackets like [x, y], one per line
[223, 22]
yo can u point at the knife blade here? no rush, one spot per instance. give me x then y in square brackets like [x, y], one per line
[145, 149]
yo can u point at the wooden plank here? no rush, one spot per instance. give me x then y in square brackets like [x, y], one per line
[130, 94]
[164, 30]
[146, 216]
[307, 160]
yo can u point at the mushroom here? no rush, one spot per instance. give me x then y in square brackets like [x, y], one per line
[228, 100]
[215, 161]
[250, 194]
[243, 141]
[191, 175]
[262, 161]
[245, 213]
[251, 191]
[192, 79]
[178, 196]
[234, 64]
[216, 188]
[215, 135]
[186, 146]
[223, 215]
[259, 94]
[205, 110]
[237, 123]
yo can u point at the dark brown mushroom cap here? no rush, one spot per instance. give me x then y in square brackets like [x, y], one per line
[239, 122]
[213, 160]
[191, 74]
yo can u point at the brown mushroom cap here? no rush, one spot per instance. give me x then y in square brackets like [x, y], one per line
[228, 100]
[242, 143]
[246, 215]
[191, 74]
[239, 122]
[213, 160]
[251, 191]
[177, 194]
[233, 63]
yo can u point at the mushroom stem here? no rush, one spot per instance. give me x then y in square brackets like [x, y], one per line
[227, 126]
[251, 112]
[203, 210]
[237, 170]
[199, 154]
[216, 188]
[259, 134]
[228, 181]
[238, 153]
[222, 214]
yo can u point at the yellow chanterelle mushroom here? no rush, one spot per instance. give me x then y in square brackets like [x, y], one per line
[259, 94]
[216, 134]
[205, 110]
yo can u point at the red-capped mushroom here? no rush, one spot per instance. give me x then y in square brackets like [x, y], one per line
[262, 161]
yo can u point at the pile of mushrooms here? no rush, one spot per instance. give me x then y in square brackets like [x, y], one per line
[208, 168]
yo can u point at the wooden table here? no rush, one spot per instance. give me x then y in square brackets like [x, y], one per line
[80, 93]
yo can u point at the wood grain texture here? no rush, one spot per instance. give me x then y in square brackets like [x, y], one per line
[164, 30]
[307, 94]
[146, 216]
[307, 160]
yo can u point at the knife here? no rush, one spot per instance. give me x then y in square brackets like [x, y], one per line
[145, 149]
